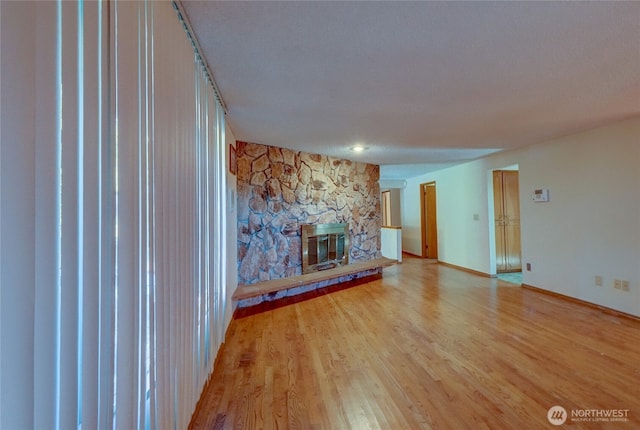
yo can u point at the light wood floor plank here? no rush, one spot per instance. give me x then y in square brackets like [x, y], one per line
[425, 347]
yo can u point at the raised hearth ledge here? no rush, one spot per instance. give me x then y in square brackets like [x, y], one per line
[249, 295]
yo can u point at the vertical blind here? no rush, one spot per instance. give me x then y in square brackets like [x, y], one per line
[129, 212]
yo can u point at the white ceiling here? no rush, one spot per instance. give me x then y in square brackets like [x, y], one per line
[422, 84]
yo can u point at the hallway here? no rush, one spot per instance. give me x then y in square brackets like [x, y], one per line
[511, 277]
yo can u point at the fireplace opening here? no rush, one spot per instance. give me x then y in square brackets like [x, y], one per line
[324, 246]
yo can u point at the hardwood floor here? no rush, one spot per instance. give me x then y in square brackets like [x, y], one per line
[425, 347]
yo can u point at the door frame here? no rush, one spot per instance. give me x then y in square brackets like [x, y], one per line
[423, 218]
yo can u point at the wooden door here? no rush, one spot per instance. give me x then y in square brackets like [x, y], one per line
[511, 194]
[498, 209]
[429, 220]
[507, 220]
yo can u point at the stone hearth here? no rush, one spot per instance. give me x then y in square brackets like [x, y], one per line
[276, 289]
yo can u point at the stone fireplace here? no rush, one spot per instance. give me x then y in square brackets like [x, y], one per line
[280, 191]
[324, 246]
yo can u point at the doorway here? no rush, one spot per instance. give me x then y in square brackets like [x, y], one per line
[506, 204]
[429, 220]
[386, 208]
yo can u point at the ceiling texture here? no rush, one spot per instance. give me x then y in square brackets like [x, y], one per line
[423, 85]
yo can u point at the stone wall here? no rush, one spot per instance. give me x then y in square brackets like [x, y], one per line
[279, 190]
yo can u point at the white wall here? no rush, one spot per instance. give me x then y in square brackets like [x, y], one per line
[396, 211]
[391, 243]
[590, 226]
[461, 191]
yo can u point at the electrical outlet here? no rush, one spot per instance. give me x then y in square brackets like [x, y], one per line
[528, 267]
[617, 284]
[598, 281]
[624, 285]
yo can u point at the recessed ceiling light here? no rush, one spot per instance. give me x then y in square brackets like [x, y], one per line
[358, 148]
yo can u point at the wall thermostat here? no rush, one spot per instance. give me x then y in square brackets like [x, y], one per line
[541, 195]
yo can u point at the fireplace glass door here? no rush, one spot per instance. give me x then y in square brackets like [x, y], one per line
[324, 246]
